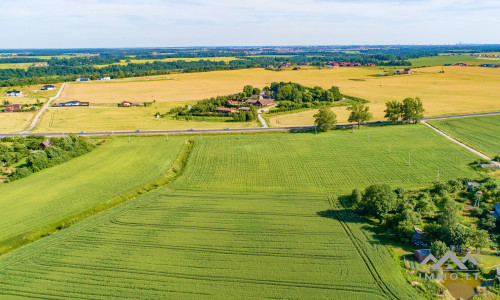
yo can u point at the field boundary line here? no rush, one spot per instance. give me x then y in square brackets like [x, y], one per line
[26, 238]
[42, 110]
[460, 143]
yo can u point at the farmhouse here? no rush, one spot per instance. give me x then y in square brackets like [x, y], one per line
[83, 79]
[407, 71]
[14, 94]
[48, 87]
[260, 102]
[12, 107]
[104, 78]
[226, 110]
[370, 65]
[125, 103]
[421, 254]
[296, 68]
[232, 102]
[45, 144]
[40, 64]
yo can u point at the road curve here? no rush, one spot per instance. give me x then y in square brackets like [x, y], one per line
[149, 132]
[42, 110]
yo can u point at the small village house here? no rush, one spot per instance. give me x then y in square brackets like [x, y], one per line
[14, 93]
[232, 102]
[48, 87]
[44, 144]
[82, 79]
[104, 78]
[407, 71]
[417, 237]
[40, 64]
[12, 107]
[125, 103]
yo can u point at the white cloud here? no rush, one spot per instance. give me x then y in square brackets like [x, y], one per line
[126, 23]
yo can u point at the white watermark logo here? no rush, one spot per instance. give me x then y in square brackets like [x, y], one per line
[438, 264]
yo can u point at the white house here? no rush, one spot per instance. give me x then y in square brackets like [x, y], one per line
[14, 93]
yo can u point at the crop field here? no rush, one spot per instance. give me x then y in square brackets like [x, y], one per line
[112, 118]
[107, 172]
[250, 216]
[458, 90]
[481, 133]
[15, 122]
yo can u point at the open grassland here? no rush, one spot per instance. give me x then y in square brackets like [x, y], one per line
[250, 217]
[481, 133]
[446, 59]
[112, 118]
[458, 90]
[15, 122]
[110, 170]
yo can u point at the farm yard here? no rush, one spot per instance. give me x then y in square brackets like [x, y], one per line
[31, 204]
[481, 133]
[251, 216]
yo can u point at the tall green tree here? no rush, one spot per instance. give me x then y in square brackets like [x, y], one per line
[478, 239]
[412, 110]
[325, 119]
[439, 249]
[379, 200]
[393, 111]
[360, 113]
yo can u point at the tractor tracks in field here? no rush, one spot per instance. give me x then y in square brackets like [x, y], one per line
[361, 251]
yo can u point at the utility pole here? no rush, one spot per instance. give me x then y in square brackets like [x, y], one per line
[368, 136]
[437, 175]
[167, 136]
[409, 159]
[389, 148]
[129, 137]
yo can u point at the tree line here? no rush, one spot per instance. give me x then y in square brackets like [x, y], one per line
[35, 158]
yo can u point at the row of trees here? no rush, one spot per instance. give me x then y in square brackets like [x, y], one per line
[325, 119]
[409, 110]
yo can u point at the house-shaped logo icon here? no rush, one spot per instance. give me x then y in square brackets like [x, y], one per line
[450, 255]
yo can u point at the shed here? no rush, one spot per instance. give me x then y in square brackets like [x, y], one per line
[48, 87]
[416, 238]
[45, 144]
[471, 185]
[489, 166]
[421, 254]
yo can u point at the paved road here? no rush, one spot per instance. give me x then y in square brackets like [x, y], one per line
[42, 110]
[232, 130]
[460, 143]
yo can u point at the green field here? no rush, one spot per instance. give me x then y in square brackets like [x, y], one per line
[250, 217]
[481, 133]
[447, 59]
[110, 170]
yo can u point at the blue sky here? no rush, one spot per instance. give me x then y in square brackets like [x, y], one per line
[171, 23]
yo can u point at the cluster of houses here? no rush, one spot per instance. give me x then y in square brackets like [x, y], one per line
[334, 64]
[285, 65]
[71, 104]
[40, 64]
[405, 71]
[456, 65]
[260, 100]
[484, 55]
